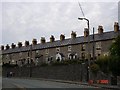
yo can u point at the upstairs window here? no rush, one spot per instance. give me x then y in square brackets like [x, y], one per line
[20, 54]
[57, 50]
[47, 51]
[98, 45]
[83, 47]
[113, 41]
[69, 48]
[7, 56]
[37, 52]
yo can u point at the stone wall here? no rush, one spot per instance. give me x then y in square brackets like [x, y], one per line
[62, 72]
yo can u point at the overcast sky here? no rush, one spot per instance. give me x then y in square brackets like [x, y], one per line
[22, 21]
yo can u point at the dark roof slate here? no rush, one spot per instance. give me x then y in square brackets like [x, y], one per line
[69, 41]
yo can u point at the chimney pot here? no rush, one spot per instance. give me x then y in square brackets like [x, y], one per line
[43, 40]
[26, 43]
[73, 34]
[7, 46]
[100, 29]
[34, 41]
[62, 37]
[52, 39]
[2, 47]
[19, 44]
[13, 45]
[86, 32]
[116, 27]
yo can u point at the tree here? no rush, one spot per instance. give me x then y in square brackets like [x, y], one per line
[94, 68]
[114, 62]
[102, 61]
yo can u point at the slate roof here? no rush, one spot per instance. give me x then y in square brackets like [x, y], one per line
[69, 41]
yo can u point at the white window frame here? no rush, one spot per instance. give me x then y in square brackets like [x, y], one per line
[58, 56]
[69, 48]
[13, 61]
[75, 56]
[46, 51]
[69, 57]
[83, 47]
[113, 41]
[37, 52]
[106, 54]
[98, 45]
[58, 50]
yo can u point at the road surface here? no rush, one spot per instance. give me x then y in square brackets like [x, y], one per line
[30, 83]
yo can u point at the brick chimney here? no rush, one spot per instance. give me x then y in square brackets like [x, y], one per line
[13, 45]
[73, 35]
[34, 41]
[43, 40]
[116, 27]
[62, 37]
[2, 47]
[100, 29]
[26, 43]
[86, 32]
[7, 46]
[19, 44]
[52, 39]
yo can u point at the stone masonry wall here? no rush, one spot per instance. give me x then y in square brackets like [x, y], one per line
[62, 72]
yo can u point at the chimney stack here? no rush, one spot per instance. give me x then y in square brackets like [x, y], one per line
[73, 34]
[34, 41]
[116, 27]
[100, 29]
[2, 47]
[86, 32]
[52, 39]
[26, 43]
[7, 47]
[62, 37]
[13, 45]
[19, 44]
[43, 40]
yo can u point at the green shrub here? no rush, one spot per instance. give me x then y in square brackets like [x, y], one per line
[94, 68]
[103, 62]
[56, 63]
[44, 64]
[66, 62]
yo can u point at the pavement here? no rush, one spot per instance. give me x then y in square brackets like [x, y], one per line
[32, 84]
[111, 87]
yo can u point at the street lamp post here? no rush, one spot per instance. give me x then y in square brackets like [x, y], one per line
[88, 46]
[30, 60]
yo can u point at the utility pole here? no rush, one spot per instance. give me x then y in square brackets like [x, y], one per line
[30, 60]
[93, 45]
[88, 24]
[88, 54]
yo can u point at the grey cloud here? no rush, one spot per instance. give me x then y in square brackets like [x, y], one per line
[27, 20]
